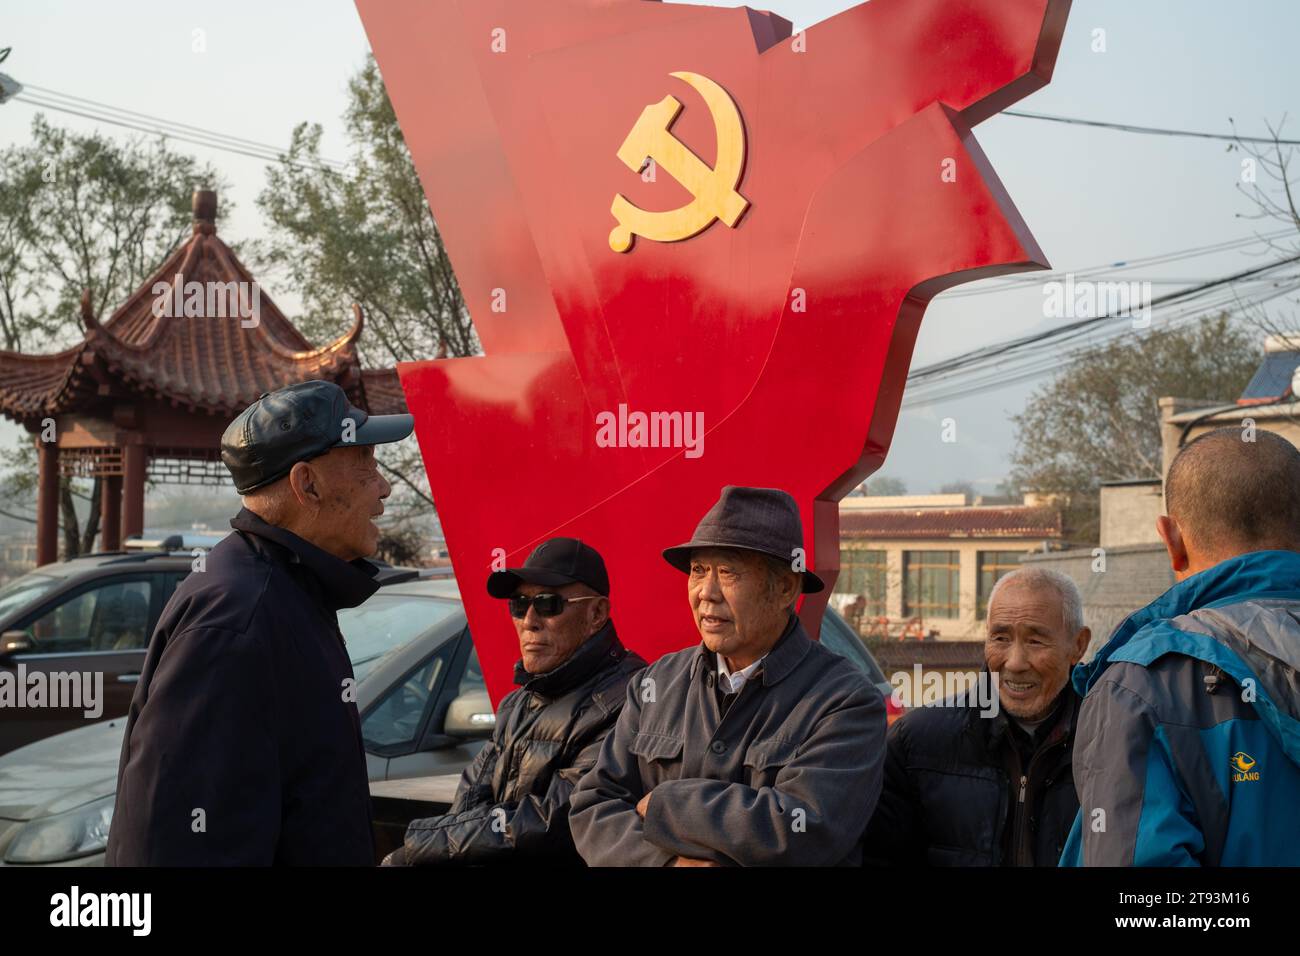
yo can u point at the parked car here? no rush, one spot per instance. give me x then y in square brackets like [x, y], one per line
[424, 711]
[89, 614]
[839, 636]
[93, 614]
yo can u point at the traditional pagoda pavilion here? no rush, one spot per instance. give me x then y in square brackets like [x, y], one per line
[147, 393]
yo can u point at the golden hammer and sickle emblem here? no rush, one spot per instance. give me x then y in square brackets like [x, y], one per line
[714, 189]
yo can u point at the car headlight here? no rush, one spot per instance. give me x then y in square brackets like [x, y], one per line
[64, 836]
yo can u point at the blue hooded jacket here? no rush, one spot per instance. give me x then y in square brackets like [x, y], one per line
[1188, 746]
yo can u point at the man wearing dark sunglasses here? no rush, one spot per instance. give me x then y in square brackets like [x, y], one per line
[512, 804]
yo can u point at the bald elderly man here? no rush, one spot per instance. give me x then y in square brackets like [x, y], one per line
[1188, 747]
[243, 742]
[970, 785]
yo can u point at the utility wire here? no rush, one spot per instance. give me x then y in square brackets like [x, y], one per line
[1196, 307]
[83, 101]
[1000, 348]
[1150, 130]
[163, 128]
[1164, 258]
[997, 377]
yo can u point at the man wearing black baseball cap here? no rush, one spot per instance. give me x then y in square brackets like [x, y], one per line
[757, 747]
[243, 741]
[513, 801]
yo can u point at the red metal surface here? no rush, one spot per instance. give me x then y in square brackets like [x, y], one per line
[847, 130]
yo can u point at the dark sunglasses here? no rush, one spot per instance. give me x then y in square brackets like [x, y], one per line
[546, 605]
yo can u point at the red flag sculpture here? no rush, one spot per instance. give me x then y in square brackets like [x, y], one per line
[696, 250]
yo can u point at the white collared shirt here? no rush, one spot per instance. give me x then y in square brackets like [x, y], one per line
[732, 683]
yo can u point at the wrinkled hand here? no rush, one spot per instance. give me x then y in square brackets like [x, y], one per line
[396, 858]
[643, 805]
[691, 861]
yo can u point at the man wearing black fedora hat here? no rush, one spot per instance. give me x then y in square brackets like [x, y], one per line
[757, 747]
[512, 805]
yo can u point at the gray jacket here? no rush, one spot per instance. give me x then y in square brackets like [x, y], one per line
[788, 776]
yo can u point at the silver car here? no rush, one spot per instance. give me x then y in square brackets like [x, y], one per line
[424, 708]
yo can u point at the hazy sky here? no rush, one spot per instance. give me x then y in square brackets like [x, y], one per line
[1090, 196]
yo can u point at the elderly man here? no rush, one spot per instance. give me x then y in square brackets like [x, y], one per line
[1189, 734]
[759, 746]
[243, 742]
[966, 785]
[513, 802]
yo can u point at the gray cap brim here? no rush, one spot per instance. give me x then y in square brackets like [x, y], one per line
[383, 429]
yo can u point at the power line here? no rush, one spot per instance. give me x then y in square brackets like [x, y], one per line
[998, 375]
[1026, 368]
[1000, 348]
[1164, 258]
[1197, 305]
[254, 144]
[182, 133]
[1194, 302]
[1150, 130]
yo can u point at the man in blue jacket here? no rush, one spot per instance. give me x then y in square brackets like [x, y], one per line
[1188, 747]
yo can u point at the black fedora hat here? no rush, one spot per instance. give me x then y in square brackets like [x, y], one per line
[765, 520]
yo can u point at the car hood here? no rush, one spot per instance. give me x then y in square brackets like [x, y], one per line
[61, 772]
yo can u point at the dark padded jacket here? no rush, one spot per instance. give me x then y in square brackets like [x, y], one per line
[243, 744]
[512, 805]
[958, 793]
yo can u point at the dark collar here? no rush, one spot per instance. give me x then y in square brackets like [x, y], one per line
[790, 648]
[339, 583]
[592, 654]
[1058, 725]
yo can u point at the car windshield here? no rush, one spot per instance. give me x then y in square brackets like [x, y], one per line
[387, 622]
[22, 591]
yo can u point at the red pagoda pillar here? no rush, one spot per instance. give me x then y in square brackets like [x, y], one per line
[133, 460]
[110, 513]
[47, 503]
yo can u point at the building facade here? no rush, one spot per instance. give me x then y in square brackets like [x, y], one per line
[924, 566]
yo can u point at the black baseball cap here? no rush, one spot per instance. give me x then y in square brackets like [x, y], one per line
[297, 423]
[554, 562]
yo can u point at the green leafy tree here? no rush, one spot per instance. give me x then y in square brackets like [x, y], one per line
[958, 488]
[885, 485]
[1098, 419]
[81, 213]
[365, 234]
